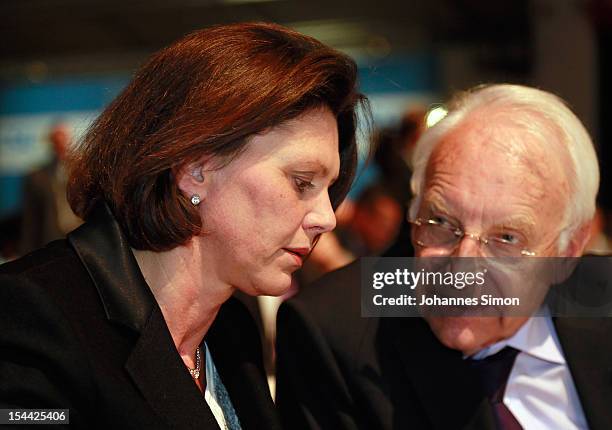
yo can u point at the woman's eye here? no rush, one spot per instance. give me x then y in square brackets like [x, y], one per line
[303, 185]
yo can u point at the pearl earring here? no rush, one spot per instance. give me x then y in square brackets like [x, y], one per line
[195, 199]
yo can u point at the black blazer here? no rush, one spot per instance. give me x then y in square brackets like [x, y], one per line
[337, 370]
[80, 329]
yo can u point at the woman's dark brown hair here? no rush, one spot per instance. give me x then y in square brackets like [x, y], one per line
[205, 95]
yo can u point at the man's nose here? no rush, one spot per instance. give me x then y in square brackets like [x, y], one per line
[469, 245]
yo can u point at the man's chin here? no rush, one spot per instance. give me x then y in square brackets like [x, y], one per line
[465, 334]
[471, 334]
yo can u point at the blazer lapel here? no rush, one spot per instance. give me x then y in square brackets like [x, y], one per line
[153, 364]
[163, 379]
[441, 377]
[106, 254]
[588, 351]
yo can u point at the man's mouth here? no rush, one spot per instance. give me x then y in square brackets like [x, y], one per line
[299, 253]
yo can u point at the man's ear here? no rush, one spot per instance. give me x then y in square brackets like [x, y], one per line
[579, 240]
[564, 267]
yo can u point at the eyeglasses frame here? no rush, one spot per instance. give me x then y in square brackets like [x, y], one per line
[460, 234]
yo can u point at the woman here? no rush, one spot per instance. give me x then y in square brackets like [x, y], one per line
[215, 170]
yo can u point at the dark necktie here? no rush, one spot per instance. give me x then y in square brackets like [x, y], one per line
[493, 373]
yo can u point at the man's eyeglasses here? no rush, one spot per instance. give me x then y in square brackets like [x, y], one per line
[438, 233]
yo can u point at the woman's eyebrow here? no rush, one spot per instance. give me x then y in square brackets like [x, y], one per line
[314, 166]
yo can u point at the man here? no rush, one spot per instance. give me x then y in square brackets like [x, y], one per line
[509, 166]
[46, 213]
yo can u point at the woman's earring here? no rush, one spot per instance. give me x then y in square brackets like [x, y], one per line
[195, 199]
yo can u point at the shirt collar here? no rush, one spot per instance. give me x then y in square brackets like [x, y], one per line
[537, 337]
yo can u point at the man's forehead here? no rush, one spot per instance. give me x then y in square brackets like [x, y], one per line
[482, 169]
[502, 145]
[493, 139]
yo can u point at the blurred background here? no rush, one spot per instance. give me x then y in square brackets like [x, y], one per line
[62, 61]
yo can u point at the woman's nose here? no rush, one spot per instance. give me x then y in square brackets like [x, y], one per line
[322, 217]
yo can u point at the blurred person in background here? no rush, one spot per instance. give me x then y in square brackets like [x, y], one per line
[10, 228]
[394, 149]
[214, 171]
[509, 171]
[375, 222]
[394, 158]
[46, 213]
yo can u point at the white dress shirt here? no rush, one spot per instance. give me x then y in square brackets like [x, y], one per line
[540, 392]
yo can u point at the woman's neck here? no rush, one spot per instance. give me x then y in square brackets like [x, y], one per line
[188, 295]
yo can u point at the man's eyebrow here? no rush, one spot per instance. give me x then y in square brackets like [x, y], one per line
[523, 223]
[438, 205]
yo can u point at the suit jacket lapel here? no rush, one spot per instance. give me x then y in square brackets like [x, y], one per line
[588, 351]
[441, 378]
[153, 364]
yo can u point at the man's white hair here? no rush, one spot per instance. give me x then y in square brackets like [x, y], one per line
[538, 112]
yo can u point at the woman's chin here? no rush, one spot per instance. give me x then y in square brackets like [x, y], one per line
[273, 286]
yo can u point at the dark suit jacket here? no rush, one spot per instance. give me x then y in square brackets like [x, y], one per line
[337, 370]
[80, 329]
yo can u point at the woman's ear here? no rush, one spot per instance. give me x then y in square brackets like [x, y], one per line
[191, 179]
[197, 174]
